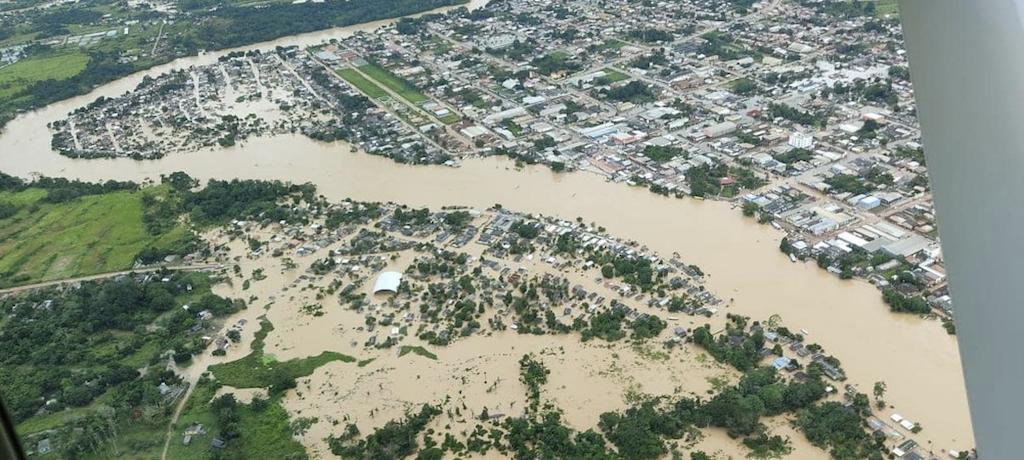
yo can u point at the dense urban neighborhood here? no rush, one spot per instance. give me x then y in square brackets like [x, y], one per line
[800, 115]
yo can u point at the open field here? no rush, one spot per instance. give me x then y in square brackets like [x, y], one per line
[265, 431]
[449, 119]
[884, 8]
[612, 75]
[613, 43]
[361, 83]
[17, 77]
[91, 234]
[394, 83]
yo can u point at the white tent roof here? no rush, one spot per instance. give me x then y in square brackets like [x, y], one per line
[387, 281]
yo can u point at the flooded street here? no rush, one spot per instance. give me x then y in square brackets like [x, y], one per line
[917, 360]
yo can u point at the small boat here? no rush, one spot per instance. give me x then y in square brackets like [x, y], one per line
[792, 258]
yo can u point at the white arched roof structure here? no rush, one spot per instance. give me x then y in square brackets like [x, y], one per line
[387, 282]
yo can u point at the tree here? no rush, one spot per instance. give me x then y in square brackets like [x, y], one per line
[280, 382]
[879, 391]
[750, 208]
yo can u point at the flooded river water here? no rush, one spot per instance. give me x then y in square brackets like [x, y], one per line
[916, 358]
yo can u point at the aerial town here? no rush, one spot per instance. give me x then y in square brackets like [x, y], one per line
[809, 126]
[382, 281]
[252, 236]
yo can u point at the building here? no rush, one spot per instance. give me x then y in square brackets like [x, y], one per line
[387, 282]
[720, 129]
[800, 140]
[781, 363]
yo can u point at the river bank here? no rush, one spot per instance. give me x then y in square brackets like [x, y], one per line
[919, 362]
[741, 257]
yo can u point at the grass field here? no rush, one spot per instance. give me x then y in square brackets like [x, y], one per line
[361, 83]
[450, 118]
[87, 235]
[56, 419]
[266, 433]
[406, 349]
[394, 83]
[17, 77]
[613, 75]
[104, 349]
[886, 7]
[613, 44]
[258, 370]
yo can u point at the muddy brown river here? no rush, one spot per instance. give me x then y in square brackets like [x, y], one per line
[918, 361]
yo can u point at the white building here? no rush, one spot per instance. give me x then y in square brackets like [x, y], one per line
[387, 282]
[800, 140]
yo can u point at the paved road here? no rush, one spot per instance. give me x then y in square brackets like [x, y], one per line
[100, 276]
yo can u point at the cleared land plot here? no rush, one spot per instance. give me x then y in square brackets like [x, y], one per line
[87, 235]
[884, 8]
[449, 118]
[17, 77]
[612, 75]
[363, 84]
[394, 83]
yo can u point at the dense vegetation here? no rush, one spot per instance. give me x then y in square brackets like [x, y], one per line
[796, 116]
[56, 228]
[86, 361]
[708, 181]
[260, 429]
[393, 441]
[662, 154]
[533, 374]
[904, 304]
[221, 201]
[635, 91]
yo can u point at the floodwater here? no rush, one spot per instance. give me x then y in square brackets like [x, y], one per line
[918, 361]
[469, 376]
[916, 358]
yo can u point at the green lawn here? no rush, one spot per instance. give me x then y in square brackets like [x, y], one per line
[259, 370]
[394, 83]
[613, 44]
[361, 83]
[612, 75]
[886, 7]
[450, 118]
[17, 77]
[559, 55]
[87, 235]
